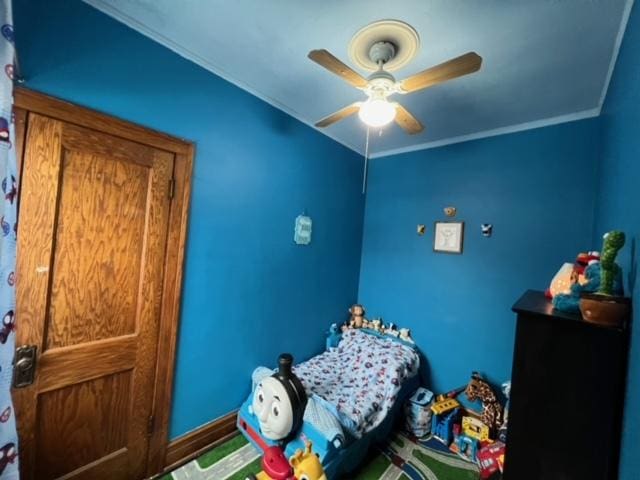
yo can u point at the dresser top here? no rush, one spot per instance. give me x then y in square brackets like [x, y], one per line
[535, 302]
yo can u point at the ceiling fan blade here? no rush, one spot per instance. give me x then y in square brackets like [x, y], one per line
[408, 122]
[454, 68]
[331, 63]
[339, 115]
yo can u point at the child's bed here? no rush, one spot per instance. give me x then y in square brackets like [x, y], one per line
[355, 392]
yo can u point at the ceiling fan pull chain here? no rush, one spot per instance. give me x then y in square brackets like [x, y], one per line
[366, 163]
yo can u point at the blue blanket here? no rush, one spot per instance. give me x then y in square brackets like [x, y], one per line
[359, 381]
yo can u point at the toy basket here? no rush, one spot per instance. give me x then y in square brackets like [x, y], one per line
[417, 412]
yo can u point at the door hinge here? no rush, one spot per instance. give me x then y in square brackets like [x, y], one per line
[151, 424]
[172, 187]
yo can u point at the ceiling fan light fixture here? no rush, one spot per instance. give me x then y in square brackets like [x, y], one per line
[377, 112]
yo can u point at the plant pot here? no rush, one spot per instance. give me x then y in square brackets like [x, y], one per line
[604, 309]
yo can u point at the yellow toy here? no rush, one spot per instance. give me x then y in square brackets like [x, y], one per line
[444, 406]
[445, 414]
[474, 428]
[301, 466]
[306, 465]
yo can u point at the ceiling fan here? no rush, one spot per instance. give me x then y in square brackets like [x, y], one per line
[377, 110]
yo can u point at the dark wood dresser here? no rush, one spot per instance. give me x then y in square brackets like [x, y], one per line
[567, 395]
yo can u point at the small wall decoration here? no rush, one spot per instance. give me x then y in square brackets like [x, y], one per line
[448, 237]
[421, 229]
[302, 231]
[450, 211]
[487, 229]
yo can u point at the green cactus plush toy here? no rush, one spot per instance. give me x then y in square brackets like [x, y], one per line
[613, 242]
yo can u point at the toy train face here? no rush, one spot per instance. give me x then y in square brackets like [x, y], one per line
[279, 402]
[273, 408]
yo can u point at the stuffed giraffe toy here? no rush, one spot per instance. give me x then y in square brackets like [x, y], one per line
[478, 388]
[306, 465]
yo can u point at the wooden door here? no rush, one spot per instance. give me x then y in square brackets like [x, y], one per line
[92, 235]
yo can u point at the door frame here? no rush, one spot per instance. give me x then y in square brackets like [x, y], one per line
[34, 102]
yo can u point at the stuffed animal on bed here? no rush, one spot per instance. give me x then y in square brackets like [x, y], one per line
[405, 334]
[357, 316]
[333, 339]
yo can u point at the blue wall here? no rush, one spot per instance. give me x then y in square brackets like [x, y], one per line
[249, 293]
[618, 208]
[257, 168]
[535, 187]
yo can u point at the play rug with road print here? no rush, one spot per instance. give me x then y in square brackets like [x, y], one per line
[400, 459]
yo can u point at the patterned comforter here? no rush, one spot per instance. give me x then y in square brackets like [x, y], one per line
[360, 379]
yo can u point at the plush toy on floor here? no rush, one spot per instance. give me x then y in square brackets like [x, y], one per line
[478, 388]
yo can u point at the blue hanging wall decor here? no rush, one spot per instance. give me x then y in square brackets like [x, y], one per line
[302, 235]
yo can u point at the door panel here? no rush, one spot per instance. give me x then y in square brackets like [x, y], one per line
[96, 298]
[91, 249]
[76, 415]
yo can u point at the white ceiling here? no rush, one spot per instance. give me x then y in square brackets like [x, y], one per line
[545, 61]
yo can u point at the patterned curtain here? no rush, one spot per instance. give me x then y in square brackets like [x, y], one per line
[8, 199]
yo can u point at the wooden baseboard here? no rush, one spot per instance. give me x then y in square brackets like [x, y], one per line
[195, 443]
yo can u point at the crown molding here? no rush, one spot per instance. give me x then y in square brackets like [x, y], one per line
[546, 122]
[105, 7]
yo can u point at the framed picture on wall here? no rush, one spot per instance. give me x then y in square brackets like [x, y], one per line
[448, 237]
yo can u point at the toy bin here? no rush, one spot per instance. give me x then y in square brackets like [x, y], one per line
[417, 412]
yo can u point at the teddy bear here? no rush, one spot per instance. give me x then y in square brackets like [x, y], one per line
[357, 316]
